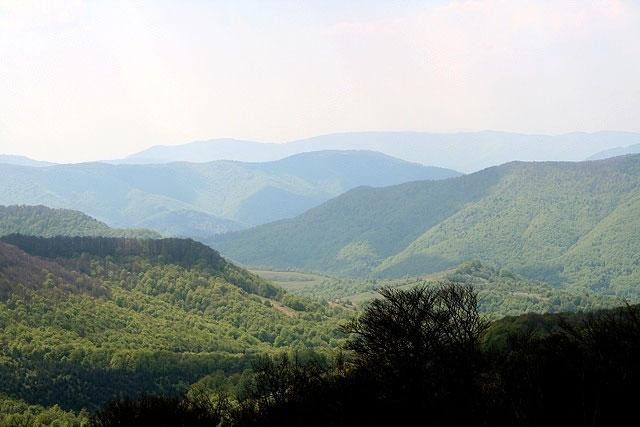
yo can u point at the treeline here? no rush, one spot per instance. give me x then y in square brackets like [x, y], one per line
[427, 356]
[183, 252]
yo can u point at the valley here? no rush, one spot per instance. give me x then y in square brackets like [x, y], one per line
[572, 225]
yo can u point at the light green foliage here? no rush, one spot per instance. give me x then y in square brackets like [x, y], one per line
[503, 293]
[15, 412]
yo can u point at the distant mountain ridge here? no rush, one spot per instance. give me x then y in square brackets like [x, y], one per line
[568, 224]
[462, 151]
[202, 199]
[207, 151]
[22, 161]
[618, 151]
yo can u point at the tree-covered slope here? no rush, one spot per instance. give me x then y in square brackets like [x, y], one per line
[566, 223]
[89, 319]
[201, 199]
[536, 221]
[503, 293]
[47, 222]
[353, 233]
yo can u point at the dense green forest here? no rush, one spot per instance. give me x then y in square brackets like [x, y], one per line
[47, 222]
[87, 319]
[568, 224]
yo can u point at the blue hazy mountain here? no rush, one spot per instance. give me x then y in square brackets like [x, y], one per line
[463, 151]
[207, 151]
[202, 199]
[11, 159]
[614, 152]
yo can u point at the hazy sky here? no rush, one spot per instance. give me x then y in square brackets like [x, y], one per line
[82, 80]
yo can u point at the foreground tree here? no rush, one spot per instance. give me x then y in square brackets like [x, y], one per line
[411, 341]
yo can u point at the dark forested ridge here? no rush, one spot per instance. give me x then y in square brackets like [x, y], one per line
[47, 222]
[568, 224]
[181, 252]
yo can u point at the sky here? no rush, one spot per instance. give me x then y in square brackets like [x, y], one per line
[89, 80]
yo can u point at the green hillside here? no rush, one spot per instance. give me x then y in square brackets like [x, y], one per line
[202, 199]
[353, 233]
[89, 319]
[569, 224]
[47, 222]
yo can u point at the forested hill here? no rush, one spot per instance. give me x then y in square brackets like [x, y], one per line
[89, 319]
[43, 221]
[565, 223]
[182, 252]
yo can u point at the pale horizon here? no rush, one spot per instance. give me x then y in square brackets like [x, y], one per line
[86, 81]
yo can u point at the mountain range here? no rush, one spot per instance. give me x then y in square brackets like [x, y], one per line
[462, 151]
[202, 199]
[568, 224]
[618, 151]
[22, 161]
